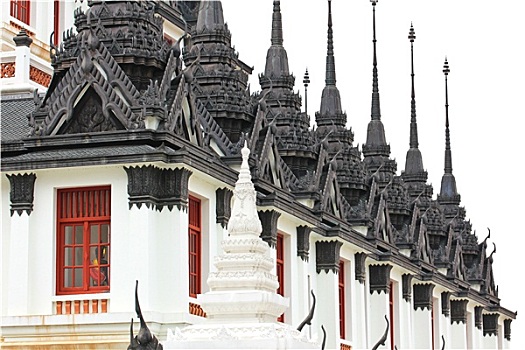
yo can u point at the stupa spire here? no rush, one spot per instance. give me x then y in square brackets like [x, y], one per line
[376, 108]
[448, 151]
[330, 114]
[414, 160]
[375, 138]
[413, 122]
[448, 193]
[330, 59]
[277, 24]
[277, 59]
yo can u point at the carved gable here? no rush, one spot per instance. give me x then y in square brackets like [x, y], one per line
[89, 117]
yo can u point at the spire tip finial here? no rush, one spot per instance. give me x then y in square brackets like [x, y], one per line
[446, 68]
[411, 33]
[306, 78]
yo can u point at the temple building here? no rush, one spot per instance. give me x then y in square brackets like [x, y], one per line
[133, 149]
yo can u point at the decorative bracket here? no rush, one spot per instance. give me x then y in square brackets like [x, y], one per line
[445, 303]
[423, 296]
[478, 317]
[22, 193]
[458, 311]
[506, 328]
[223, 208]
[303, 242]
[269, 220]
[380, 278]
[407, 288]
[490, 324]
[327, 256]
[157, 187]
[360, 267]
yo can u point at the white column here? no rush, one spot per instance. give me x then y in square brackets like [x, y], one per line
[179, 260]
[358, 300]
[490, 342]
[163, 244]
[23, 57]
[406, 328]
[298, 287]
[141, 226]
[18, 300]
[477, 338]
[379, 303]
[423, 336]
[328, 307]
[444, 326]
[458, 336]
[379, 308]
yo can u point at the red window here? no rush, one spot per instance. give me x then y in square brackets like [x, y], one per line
[194, 249]
[391, 304]
[56, 22]
[342, 299]
[280, 268]
[20, 10]
[83, 240]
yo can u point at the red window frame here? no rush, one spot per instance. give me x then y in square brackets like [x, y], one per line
[20, 9]
[56, 21]
[391, 309]
[194, 246]
[83, 240]
[342, 317]
[279, 265]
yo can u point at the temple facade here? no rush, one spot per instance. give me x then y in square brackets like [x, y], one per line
[122, 141]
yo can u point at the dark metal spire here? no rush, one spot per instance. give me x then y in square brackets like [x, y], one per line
[277, 24]
[448, 152]
[330, 60]
[306, 81]
[376, 109]
[276, 57]
[448, 193]
[414, 170]
[330, 114]
[413, 122]
[375, 139]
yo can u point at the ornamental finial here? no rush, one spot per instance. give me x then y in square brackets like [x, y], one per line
[446, 68]
[411, 33]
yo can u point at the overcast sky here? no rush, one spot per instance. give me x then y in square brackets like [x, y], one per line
[483, 41]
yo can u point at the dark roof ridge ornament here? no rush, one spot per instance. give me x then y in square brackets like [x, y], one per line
[277, 24]
[376, 109]
[330, 59]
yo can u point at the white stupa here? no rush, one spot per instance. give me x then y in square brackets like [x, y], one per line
[242, 305]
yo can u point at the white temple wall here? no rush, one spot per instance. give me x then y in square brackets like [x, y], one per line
[6, 234]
